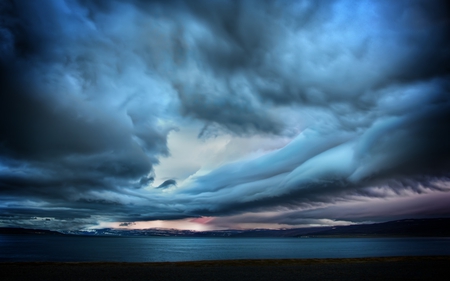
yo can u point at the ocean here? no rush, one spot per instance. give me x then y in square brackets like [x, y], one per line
[159, 249]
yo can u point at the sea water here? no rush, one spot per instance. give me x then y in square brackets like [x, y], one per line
[158, 249]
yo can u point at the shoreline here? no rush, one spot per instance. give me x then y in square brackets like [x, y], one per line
[376, 268]
[237, 261]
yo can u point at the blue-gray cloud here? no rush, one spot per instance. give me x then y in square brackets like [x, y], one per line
[91, 90]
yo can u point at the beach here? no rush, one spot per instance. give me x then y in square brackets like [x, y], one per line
[388, 268]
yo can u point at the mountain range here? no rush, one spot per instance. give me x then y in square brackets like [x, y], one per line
[439, 227]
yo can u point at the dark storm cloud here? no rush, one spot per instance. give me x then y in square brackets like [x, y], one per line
[167, 184]
[67, 124]
[91, 90]
[378, 79]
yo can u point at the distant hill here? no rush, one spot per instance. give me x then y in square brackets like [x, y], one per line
[9, 230]
[401, 228]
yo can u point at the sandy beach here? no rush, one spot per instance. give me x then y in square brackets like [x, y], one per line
[391, 268]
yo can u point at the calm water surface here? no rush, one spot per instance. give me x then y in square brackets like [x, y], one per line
[142, 249]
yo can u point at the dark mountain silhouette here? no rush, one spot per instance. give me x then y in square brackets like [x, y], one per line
[9, 230]
[409, 227]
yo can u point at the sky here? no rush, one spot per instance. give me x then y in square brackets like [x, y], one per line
[218, 114]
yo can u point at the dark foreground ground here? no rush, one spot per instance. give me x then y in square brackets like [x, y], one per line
[392, 268]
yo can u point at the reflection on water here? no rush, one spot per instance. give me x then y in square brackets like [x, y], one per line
[140, 249]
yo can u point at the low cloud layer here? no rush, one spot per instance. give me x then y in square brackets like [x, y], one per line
[93, 90]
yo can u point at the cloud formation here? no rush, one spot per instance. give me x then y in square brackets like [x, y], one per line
[91, 91]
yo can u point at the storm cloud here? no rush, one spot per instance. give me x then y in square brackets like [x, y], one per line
[92, 91]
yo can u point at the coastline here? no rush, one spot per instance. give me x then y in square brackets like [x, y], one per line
[377, 268]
